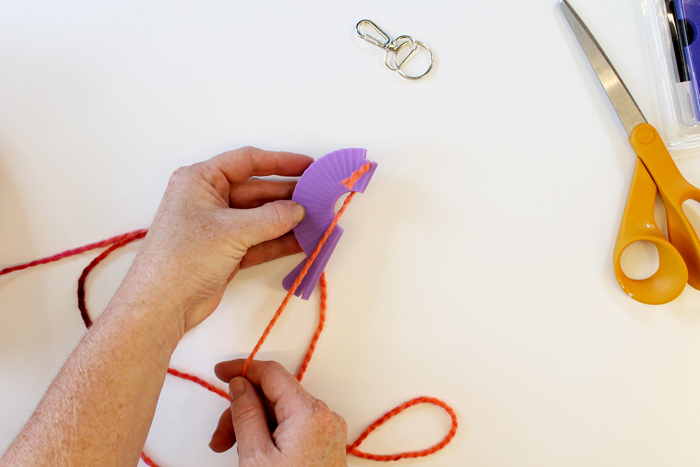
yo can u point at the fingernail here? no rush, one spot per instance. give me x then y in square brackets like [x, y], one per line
[299, 212]
[236, 388]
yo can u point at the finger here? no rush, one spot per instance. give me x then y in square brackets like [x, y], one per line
[224, 436]
[258, 372]
[279, 387]
[267, 222]
[274, 380]
[241, 164]
[249, 419]
[271, 250]
[228, 370]
[255, 192]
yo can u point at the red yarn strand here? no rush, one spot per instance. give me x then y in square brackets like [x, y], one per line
[68, 253]
[148, 460]
[125, 240]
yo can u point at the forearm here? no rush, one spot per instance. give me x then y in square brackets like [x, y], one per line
[99, 408]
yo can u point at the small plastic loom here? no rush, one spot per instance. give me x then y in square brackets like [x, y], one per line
[318, 190]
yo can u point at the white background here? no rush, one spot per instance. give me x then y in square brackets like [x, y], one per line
[476, 268]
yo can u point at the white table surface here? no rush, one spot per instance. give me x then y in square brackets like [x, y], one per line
[476, 268]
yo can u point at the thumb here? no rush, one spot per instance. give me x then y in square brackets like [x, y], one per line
[249, 419]
[268, 221]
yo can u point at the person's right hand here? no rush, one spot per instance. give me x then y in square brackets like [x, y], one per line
[275, 421]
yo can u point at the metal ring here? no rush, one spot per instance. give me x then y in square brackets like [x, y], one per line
[394, 47]
[398, 66]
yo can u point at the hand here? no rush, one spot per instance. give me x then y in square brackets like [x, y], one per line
[213, 220]
[275, 421]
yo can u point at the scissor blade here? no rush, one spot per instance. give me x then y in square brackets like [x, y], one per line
[625, 106]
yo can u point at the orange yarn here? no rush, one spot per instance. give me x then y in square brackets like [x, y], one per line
[356, 175]
[199, 381]
[352, 449]
[293, 288]
[319, 328]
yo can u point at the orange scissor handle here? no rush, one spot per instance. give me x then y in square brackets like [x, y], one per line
[638, 224]
[657, 170]
[674, 190]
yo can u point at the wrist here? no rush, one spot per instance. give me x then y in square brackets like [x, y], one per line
[145, 302]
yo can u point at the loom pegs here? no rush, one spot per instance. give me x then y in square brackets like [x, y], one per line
[318, 189]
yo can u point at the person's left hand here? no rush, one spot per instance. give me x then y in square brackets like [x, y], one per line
[213, 220]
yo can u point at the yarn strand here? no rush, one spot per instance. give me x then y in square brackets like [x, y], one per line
[123, 241]
[349, 183]
[352, 448]
[296, 283]
[73, 252]
[321, 322]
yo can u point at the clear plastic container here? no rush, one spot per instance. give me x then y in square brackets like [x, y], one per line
[673, 30]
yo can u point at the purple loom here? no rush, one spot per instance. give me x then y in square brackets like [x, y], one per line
[318, 190]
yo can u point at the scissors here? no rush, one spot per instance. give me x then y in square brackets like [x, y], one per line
[679, 256]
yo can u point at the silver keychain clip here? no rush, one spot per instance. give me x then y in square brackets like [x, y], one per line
[393, 46]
